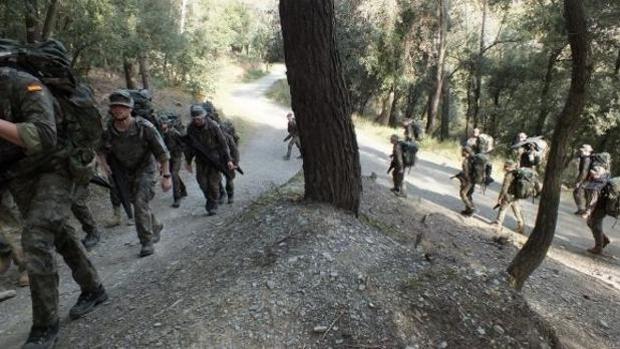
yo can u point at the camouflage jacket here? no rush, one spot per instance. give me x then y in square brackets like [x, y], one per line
[137, 148]
[232, 146]
[292, 128]
[397, 157]
[211, 137]
[584, 168]
[504, 193]
[174, 142]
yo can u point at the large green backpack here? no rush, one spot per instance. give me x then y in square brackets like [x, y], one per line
[601, 159]
[410, 151]
[479, 164]
[612, 197]
[79, 122]
[524, 184]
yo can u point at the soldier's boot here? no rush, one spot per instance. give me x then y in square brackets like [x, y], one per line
[91, 240]
[42, 338]
[606, 241]
[288, 155]
[116, 218]
[131, 222]
[147, 249]
[157, 232]
[87, 302]
[177, 202]
[24, 280]
[521, 229]
[231, 199]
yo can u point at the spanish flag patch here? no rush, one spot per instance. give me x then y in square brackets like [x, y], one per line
[35, 88]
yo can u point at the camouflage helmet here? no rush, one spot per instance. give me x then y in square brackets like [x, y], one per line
[197, 111]
[122, 98]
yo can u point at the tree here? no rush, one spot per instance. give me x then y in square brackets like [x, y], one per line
[535, 249]
[435, 97]
[321, 103]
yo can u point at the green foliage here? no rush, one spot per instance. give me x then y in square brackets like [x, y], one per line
[280, 93]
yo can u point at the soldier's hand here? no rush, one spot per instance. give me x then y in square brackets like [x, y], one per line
[166, 184]
[231, 165]
[188, 167]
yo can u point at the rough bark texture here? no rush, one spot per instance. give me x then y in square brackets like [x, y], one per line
[394, 117]
[444, 131]
[33, 31]
[128, 68]
[478, 85]
[144, 70]
[413, 96]
[535, 249]
[321, 103]
[433, 108]
[384, 117]
[544, 94]
[50, 19]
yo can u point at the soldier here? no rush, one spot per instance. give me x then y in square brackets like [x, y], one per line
[85, 217]
[207, 143]
[232, 142]
[11, 235]
[43, 196]
[133, 144]
[507, 200]
[173, 135]
[598, 178]
[579, 194]
[293, 136]
[467, 182]
[413, 131]
[398, 167]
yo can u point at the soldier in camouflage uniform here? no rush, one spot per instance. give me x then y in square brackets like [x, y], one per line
[135, 144]
[83, 214]
[507, 200]
[231, 141]
[42, 188]
[467, 183]
[579, 194]
[208, 134]
[11, 235]
[397, 166]
[293, 136]
[173, 138]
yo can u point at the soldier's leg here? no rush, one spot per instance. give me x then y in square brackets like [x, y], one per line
[11, 227]
[398, 178]
[202, 179]
[579, 194]
[214, 178]
[82, 212]
[178, 187]
[516, 210]
[144, 192]
[298, 144]
[595, 222]
[501, 215]
[465, 193]
[230, 187]
[222, 190]
[290, 148]
[45, 205]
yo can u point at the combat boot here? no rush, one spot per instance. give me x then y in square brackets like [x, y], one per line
[42, 338]
[147, 249]
[131, 222]
[231, 199]
[24, 280]
[87, 302]
[116, 218]
[157, 232]
[176, 203]
[91, 240]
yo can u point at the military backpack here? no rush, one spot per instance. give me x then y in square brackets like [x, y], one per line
[410, 151]
[79, 123]
[485, 143]
[524, 184]
[612, 196]
[601, 159]
[479, 164]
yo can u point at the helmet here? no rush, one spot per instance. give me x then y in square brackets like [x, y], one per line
[122, 98]
[197, 111]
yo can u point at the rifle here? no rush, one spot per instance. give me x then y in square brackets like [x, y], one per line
[121, 184]
[204, 154]
[390, 168]
[460, 176]
[287, 138]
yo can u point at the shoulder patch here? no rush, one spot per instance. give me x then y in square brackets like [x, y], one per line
[34, 87]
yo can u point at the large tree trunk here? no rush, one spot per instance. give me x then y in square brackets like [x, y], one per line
[444, 131]
[143, 63]
[394, 117]
[470, 102]
[478, 86]
[321, 103]
[33, 27]
[535, 249]
[50, 20]
[412, 100]
[442, 17]
[384, 117]
[544, 94]
[183, 16]
[128, 68]
[617, 66]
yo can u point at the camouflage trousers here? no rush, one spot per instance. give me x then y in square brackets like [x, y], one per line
[466, 192]
[398, 178]
[11, 229]
[142, 192]
[228, 189]
[178, 187]
[81, 211]
[44, 202]
[516, 210]
[209, 181]
[579, 194]
[595, 223]
[115, 200]
[294, 141]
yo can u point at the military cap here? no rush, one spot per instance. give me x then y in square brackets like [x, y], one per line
[197, 111]
[122, 98]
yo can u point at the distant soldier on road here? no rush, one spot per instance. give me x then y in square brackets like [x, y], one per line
[293, 136]
[467, 182]
[173, 137]
[508, 200]
[133, 144]
[397, 167]
[585, 162]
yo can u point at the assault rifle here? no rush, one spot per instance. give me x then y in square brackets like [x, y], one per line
[120, 186]
[205, 155]
[460, 176]
[287, 137]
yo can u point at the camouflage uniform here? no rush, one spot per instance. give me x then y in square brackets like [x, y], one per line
[467, 185]
[398, 169]
[11, 230]
[506, 201]
[82, 212]
[136, 150]
[172, 139]
[43, 196]
[230, 175]
[595, 223]
[293, 132]
[579, 194]
[208, 177]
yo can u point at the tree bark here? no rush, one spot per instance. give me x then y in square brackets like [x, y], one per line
[33, 28]
[321, 103]
[143, 63]
[617, 66]
[444, 131]
[394, 117]
[470, 98]
[412, 100]
[478, 70]
[50, 20]
[544, 94]
[433, 108]
[128, 68]
[384, 117]
[535, 249]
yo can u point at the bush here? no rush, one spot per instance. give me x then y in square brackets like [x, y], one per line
[280, 93]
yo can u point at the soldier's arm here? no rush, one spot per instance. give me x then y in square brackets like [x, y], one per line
[234, 151]
[505, 186]
[158, 147]
[466, 169]
[584, 170]
[224, 150]
[37, 131]
[398, 157]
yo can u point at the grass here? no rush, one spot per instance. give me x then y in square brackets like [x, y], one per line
[253, 73]
[280, 93]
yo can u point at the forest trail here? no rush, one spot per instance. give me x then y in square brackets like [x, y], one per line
[261, 158]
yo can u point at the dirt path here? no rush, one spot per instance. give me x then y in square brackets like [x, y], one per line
[116, 256]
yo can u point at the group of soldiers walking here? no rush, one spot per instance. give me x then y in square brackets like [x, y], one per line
[52, 139]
